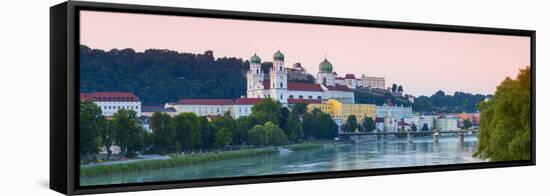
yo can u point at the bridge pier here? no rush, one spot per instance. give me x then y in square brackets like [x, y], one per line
[409, 137]
[382, 138]
[460, 137]
[436, 137]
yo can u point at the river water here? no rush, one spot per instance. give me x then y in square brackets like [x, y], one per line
[368, 155]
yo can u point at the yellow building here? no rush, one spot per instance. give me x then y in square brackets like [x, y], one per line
[341, 111]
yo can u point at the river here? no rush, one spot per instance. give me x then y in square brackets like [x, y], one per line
[368, 155]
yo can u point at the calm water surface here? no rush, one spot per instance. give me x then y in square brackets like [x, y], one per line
[392, 153]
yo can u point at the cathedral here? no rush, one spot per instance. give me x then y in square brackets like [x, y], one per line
[279, 88]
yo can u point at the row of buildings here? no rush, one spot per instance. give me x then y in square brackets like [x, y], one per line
[328, 85]
[330, 93]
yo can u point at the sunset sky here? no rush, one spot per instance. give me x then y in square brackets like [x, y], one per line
[422, 61]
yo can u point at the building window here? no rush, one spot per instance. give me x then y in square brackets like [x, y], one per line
[281, 85]
[310, 97]
[318, 97]
[257, 71]
[281, 97]
[301, 97]
[291, 96]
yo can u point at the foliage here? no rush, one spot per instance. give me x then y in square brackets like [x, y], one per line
[222, 137]
[299, 108]
[90, 128]
[368, 124]
[440, 102]
[304, 146]
[257, 136]
[294, 128]
[190, 159]
[128, 134]
[267, 110]
[351, 123]
[242, 125]
[107, 135]
[164, 134]
[275, 135]
[188, 130]
[159, 76]
[319, 125]
[505, 123]
[467, 124]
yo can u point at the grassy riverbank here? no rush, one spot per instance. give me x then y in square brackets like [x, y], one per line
[175, 161]
[304, 146]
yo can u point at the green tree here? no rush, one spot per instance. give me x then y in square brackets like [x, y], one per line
[351, 123]
[128, 133]
[208, 130]
[257, 136]
[295, 129]
[505, 124]
[267, 110]
[243, 124]
[222, 137]
[275, 135]
[164, 134]
[319, 125]
[107, 136]
[299, 108]
[400, 89]
[90, 129]
[467, 124]
[188, 130]
[394, 87]
[368, 124]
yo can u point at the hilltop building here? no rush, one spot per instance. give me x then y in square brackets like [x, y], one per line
[111, 102]
[278, 87]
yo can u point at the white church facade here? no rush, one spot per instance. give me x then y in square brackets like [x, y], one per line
[278, 87]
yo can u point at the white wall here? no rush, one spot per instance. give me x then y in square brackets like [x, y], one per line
[24, 77]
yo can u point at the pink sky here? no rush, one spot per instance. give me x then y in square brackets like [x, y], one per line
[422, 61]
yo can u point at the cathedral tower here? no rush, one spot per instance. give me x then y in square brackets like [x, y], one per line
[278, 78]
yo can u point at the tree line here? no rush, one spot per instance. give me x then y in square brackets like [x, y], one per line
[269, 124]
[505, 123]
[456, 103]
[159, 76]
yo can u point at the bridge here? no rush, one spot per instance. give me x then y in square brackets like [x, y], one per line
[410, 134]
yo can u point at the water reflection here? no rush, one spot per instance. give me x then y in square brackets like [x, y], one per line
[391, 153]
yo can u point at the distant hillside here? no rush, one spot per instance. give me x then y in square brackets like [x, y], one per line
[160, 76]
[378, 97]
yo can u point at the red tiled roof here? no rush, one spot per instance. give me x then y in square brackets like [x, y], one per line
[108, 96]
[339, 78]
[295, 101]
[379, 120]
[339, 88]
[350, 76]
[247, 101]
[297, 86]
[205, 102]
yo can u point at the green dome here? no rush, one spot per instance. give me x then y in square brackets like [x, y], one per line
[325, 66]
[279, 56]
[255, 59]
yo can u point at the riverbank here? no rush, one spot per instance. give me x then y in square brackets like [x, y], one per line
[303, 146]
[174, 161]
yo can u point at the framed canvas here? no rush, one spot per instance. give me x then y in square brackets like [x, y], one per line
[145, 97]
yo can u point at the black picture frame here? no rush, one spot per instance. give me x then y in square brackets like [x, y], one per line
[64, 95]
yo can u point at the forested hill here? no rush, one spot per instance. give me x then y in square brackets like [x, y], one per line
[160, 76]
